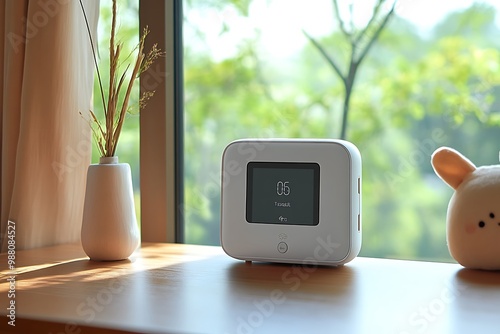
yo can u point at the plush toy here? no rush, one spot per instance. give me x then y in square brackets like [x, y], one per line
[473, 222]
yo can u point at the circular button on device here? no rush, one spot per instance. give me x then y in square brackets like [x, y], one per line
[282, 247]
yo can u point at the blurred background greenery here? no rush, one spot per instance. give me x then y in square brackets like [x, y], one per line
[430, 79]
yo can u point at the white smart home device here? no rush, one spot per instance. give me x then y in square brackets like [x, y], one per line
[291, 200]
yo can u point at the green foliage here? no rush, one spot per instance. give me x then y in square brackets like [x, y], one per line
[476, 23]
[454, 78]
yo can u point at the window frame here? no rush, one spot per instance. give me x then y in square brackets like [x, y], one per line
[161, 125]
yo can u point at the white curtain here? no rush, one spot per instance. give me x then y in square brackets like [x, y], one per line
[47, 70]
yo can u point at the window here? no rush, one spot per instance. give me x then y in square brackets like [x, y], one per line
[251, 69]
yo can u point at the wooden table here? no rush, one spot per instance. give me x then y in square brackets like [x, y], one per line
[173, 288]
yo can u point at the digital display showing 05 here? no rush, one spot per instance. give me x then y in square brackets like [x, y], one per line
[284, 193]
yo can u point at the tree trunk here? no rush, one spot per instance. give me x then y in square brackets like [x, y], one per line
[348, 85]
[345, 111]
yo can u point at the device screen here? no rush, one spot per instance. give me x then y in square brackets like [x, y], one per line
[282, 193]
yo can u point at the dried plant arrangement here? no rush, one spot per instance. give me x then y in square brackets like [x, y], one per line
[107, 132]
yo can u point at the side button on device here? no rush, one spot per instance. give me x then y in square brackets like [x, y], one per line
[282, 247]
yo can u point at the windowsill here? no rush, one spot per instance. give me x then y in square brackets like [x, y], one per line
[171, 288]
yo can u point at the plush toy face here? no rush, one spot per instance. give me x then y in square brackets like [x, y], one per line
[473, 222]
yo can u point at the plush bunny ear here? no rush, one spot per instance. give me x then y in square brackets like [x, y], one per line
[451, 166]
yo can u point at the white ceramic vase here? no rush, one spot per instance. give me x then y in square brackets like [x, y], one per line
[109, 226]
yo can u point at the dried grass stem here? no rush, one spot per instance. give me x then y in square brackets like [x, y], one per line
[115, 111]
